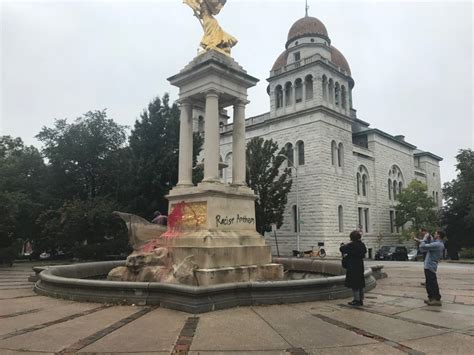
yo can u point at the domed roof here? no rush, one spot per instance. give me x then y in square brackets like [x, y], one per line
[307, 26]
[281, 61]
[338, 59]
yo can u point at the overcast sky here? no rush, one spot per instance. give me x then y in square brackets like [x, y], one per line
[412, 62]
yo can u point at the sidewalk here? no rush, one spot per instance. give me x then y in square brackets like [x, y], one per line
[394, 321]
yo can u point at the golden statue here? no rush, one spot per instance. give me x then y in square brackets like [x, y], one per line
[214, 36]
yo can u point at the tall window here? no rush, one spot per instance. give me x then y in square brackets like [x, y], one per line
[288, 93]
[358, 184]
[437, 201]
[279, 96]
[366, 220]
[298, 90]
[395, 182]
[300, 151]
[289, 153]
[389, 189]
[325, 88]
[359, 214]
[337, 92]
[340, 155]
[297, 56]
[333, 152]
[392, 221]
[341, 219]
[308, 84]
[343, 97]
[364, 185]
[331, 90]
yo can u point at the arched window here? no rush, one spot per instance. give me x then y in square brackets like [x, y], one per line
[341, 218]
[331, 91]
[333, 152]
[325, 88]
[340, 155]
[364, 185]
[295, 219]
[289, 153]
[308, 84]
[300, 152]
[337, 92]
[395, 182]
[298, 90]
[279, 96]
[358, 184]
[288, 93]
[343, 96]
[437, 200]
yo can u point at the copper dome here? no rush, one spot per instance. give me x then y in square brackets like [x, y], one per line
[307, 26]
[338, 59]
[281, 61]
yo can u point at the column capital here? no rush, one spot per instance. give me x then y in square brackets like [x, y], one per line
[185, 102]
[241, 102]
[212, 92]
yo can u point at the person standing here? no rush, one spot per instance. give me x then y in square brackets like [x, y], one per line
[434, 252]
[354, 253]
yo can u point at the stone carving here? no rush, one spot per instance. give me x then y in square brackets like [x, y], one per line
[214, 36]
[155, 266]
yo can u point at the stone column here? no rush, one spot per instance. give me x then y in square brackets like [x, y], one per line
[238, 145]
[185, 145]
[211, 138]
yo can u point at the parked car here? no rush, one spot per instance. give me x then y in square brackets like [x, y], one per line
[415, 255]
[392, 252]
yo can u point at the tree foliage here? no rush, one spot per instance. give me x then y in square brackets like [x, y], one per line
[268, 180]
[458, 212]
[154, 150]
[82, 154]
[416, 209]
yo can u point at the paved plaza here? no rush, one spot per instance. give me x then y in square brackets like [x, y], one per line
[395, 321]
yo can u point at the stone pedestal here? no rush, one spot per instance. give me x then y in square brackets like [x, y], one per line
[213, 222]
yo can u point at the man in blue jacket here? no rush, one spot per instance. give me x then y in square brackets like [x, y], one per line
[434, 252]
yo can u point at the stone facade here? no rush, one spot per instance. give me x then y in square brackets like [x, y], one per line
[344, 166]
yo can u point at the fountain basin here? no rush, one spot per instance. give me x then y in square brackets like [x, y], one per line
[76, 282]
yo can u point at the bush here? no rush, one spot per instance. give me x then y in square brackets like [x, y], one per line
[7, 255]
[467, 253]
[102, 251]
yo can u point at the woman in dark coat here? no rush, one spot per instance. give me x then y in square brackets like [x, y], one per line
[354, 253]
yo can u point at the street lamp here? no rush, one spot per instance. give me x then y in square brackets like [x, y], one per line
[297, 202]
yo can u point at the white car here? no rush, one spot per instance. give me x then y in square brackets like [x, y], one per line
[415, 255]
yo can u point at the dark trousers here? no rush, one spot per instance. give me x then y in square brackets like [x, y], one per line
[432, 287]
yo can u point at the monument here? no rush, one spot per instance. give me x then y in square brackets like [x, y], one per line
[211, 236]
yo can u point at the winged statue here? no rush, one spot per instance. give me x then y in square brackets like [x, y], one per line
[214, 36]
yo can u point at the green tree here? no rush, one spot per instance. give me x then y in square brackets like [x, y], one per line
[82, 155]
[416, 208]
[154, 150]
[80, 222]
[458, 212]
[22, 173]
[269, 182]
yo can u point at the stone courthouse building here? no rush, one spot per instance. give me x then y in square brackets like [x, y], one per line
[349, 174]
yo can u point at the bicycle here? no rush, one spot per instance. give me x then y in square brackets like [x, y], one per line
[320, 252]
